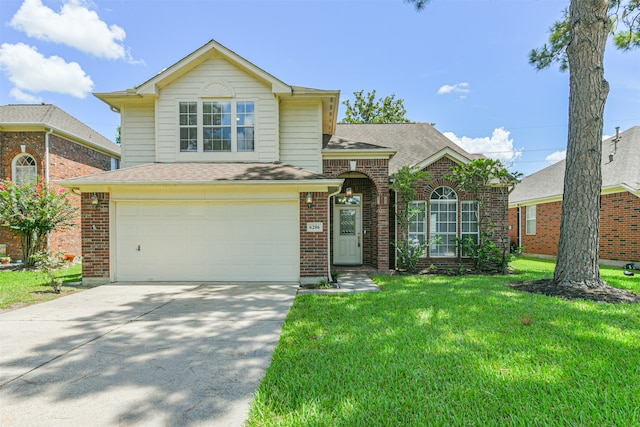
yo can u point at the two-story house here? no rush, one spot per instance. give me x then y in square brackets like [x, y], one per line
[230, 174]
[44, 142]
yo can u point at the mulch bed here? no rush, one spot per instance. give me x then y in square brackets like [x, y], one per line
[573, 291]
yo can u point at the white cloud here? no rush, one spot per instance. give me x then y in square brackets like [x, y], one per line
[456, 88]
[556, 156]
[498, 146]
[30, 71]
[24, 97]
[75, 26]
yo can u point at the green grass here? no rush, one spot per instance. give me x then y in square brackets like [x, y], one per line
[461, 351]
[25, 287]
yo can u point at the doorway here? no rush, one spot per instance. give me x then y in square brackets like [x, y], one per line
[347, 230]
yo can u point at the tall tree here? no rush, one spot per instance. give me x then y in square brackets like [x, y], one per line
[577, 43]
[366, 109]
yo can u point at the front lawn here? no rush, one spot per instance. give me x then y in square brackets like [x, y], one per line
[443, 351]
[25, 287]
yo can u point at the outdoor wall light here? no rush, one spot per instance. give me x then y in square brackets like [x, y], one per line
[309, 200]
[349, 192]
[95, 202]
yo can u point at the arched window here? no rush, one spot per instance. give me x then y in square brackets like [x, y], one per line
[25, 169]
[443, 222]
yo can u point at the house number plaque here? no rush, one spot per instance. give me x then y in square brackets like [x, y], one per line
[314, 227]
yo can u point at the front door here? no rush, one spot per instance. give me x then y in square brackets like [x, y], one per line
[347, 230]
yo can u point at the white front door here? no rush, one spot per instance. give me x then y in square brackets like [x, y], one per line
[347, 230]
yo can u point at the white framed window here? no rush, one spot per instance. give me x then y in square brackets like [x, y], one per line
[531, 219]
[25, 169]
[212, 126]
[418, 223]
[469, 224]
[443, 222]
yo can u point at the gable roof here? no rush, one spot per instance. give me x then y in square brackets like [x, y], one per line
[622, 173]
[150, 88]
[23, 116]
[413, 142]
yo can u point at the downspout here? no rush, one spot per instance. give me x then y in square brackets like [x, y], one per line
[329, 232]
[46, 171]
[46, 155]
[395, 230]
[519, 226]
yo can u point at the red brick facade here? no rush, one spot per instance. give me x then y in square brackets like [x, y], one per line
[495, 211]
[313, 244]
[67, 159]
[375, 205]
[95, 232]
[619, 228]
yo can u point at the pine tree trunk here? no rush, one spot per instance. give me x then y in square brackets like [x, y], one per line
[578, 250]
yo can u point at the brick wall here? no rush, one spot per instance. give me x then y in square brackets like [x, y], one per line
[375, 208]
[313, 245]
[66, 160]
[95, 242]
[619, 228]
[495, 210]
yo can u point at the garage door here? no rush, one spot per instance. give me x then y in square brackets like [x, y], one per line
[207, 241]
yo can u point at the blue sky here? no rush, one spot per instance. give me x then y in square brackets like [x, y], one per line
[460, 64]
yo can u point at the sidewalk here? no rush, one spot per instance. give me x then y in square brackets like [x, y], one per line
[348, 283]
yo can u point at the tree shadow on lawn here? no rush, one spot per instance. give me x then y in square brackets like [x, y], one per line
[174, 359]
[441, 354]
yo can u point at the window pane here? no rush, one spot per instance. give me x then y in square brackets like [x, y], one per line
[245, 139]
[216, 139]
[188, 139]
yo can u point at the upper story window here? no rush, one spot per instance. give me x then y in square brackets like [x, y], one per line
[25, 169]
[443, 222]
[217, 126]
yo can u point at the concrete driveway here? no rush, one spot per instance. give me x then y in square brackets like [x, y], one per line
[128, 354]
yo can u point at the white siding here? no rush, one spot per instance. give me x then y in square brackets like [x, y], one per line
[301, 134]
[138, 136]
[245, 87]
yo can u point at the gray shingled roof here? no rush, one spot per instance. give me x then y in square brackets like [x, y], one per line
[623, 171]
[48, 115]
[196, 173]
[414, 142]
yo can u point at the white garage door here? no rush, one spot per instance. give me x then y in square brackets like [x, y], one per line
[207, 241]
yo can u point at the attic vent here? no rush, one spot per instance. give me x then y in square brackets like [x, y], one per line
[217, 90]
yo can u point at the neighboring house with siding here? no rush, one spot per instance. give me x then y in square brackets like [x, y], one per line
[535, 206]
[43, 141]
[230, 174]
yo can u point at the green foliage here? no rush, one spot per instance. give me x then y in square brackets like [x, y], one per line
[474, 178]
[20, 288]
[49, 263]
[404, 183]
[34, 210]
[367, 110]
[625, 31]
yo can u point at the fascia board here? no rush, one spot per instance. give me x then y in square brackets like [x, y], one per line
[305, 185]
[445, 152]
[358, 154]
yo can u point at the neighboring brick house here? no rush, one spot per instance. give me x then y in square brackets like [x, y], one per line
[535, 206]
[42, 141]
[230, 174]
